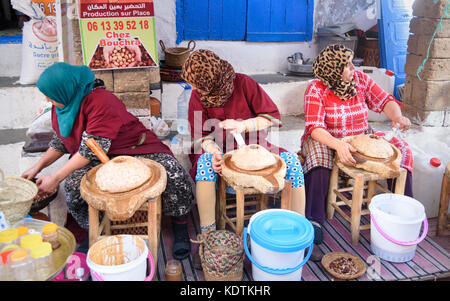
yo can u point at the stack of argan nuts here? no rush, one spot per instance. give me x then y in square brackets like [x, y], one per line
[121, 57]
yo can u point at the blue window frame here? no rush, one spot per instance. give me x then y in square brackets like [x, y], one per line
[245, 20]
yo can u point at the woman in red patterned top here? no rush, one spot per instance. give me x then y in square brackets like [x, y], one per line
[336, 105]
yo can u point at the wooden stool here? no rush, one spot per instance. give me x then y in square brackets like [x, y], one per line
[443, 205]
[359, 178]
[98, 230]
[237, 222]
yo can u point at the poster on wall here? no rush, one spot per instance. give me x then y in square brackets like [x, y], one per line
[118, 34]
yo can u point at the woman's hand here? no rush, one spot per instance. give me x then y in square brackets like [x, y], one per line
[344, 151]
[48, 183]
[31, 173]
[235, 126]
[217, 162]
[402, 122]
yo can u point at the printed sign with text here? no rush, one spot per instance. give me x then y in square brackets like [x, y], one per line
[118, 34]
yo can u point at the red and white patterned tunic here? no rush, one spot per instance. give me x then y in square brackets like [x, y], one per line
[323, 109]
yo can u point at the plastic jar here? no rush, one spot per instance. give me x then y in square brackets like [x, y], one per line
[9, 247]
[21, 231]
[30, 240]
[21, 266]
[4, 267]
[4, 256]
[50, 234]
[173, 270]
[43, 260]
[8, 237]
[3, 271]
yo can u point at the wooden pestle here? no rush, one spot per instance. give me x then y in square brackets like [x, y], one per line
[93, 145]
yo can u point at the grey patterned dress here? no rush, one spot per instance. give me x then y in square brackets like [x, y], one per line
[177, 198]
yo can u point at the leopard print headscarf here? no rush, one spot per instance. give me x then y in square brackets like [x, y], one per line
[207, 72]
[329, 66]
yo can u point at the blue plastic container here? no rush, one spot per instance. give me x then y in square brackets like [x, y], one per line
[278, 240]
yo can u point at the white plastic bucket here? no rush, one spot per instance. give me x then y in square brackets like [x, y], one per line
[395, 226]
[278, 239]
[120, 258]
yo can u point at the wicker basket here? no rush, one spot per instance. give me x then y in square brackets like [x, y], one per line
[328, 258]
[24, 192]
[176, 56]
[222, 256]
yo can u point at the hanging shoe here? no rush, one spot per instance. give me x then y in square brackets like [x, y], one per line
[181, 245]
[317, 254]
[318, 233]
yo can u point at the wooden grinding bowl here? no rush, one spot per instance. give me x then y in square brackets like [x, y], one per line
[122, 205]
[267, 180]
[42, 199]
[386, 167]
[328, 258]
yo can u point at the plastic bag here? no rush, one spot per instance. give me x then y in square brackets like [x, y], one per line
[159, 126]
[39, 42]
[42, 124]
[40, 131]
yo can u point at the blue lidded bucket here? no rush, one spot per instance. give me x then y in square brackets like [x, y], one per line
[278, 240]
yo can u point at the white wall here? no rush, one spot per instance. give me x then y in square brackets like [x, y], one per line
[246, 57]
[20, 105]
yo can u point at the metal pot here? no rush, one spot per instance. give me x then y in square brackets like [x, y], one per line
[300, 68]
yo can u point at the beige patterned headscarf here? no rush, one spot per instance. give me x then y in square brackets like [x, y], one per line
[329, 66]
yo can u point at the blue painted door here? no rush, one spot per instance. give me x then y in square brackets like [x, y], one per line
[393, 35]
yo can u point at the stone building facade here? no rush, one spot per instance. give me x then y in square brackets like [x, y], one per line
[427, 100]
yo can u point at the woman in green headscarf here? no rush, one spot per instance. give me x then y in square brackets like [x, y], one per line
[82, 109]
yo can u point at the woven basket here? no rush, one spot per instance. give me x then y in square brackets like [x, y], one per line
[176, 56]
[24, 191]
[222, 255]
[329, 257]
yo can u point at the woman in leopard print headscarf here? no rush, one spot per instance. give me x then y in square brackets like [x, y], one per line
[225, 102]
[213, 76]
[336, 105]
[329, 67]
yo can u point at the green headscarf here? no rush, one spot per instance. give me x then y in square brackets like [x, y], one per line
[68, 85]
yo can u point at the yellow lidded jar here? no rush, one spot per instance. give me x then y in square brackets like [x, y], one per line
[9, 247]
[8, 236]
[43, 260]
[21, 265]
[21, 231]
[30, 240]
[50, 234]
